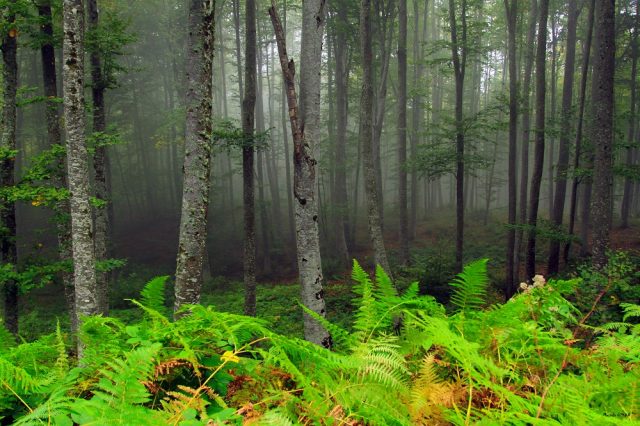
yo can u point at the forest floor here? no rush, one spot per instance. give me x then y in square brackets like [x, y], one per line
[432, 251]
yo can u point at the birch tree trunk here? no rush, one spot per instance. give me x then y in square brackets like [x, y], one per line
[8, 252]
[305, 128]
[102, 177]
[197, 156]
[366, 139]
[82, 242]
[602, 130]
[402, 132]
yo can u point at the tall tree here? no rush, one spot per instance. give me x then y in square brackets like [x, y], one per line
[459, 56]
[402, 131]
[511, 8]
[248, 122]
[565, 134]
[538, 160]
[197, 155]
[82, 243]
[305, 126]
[366, 138]
[8, 252]
[54, 133]
[102, 177]
[602, 128]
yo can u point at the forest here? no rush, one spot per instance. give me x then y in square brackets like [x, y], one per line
[319, 212]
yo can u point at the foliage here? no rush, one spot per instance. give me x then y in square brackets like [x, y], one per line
[532, 360]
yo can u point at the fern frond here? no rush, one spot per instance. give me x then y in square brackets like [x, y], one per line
[384, 288]
[17, 379]
[470, 287]
[276, 417]
[152, 295]
[341, 338]
[366, 317]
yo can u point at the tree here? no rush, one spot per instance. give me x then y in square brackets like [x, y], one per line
[305, 127]
[366, 138]
[102, 178]
[248, 122]
[565, 134]
[538, 161]
[8, 252]
[82, 242]
[459, 56]
[602, 128]
[511, 8]
[197, 155]
[402, 131]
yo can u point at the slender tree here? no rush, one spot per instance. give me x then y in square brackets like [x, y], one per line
[197, 155]
[366, 138]
[8, 252]
[102, 176]
[84, 261]
[402, 131]
[565, 134]
[459, 56]
[305, 126]
[602, 128]
[248, 122]
[538, 161]
[511, 8]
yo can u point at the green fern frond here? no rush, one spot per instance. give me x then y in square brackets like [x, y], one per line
[341, 338]
[276, 417]
[7, 340]
[384, 288]
[152, 295]
[366, 317]
[17, 379]
[470, 287]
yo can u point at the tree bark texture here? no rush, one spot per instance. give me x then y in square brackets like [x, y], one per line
[402, 132]
[565, 134]
[602, 130]
[82, 237]
[305, 128]
[197, 155]
[366, 139]
[248, 155]
[8, 250]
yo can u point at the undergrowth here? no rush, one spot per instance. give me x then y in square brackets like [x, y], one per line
[405, 360]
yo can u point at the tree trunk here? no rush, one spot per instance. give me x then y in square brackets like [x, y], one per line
[538, 162]
[84, 261]
[54, 133]
[512, 17]
[402, 132]
[459, 54]
[565, 133]
[102, 178]
[8, 250]
[248, 180]
[602, 130]
[366, 139]
[197, 157]
[305, 131]
[578, 146]
[526, 132]
[628, 182]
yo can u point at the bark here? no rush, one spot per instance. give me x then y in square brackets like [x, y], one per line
[8, 252]
[565, 134]
[602, 130]
[102, 177]
[248, 180]
[526, 132]
[459, 56]
[512, 16]
[236, 27]
[578, 145]
[366, 139]
[197, 156]
[538, 162]
[402, 132]
[54, 133]
[342, 106]
[627, 197]
[82, 242]
[553, 105]
[305, 128]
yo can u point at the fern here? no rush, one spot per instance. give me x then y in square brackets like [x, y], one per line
[470, 287]
[152, 295]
